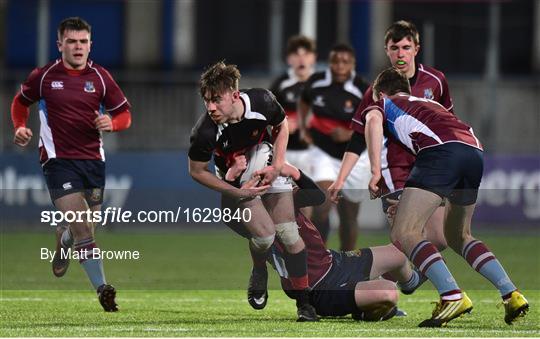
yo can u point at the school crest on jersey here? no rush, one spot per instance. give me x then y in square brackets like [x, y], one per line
[319, 101]
[290, 97]
[89, 87]
[255, 134]
[428, 93]
[348, 106]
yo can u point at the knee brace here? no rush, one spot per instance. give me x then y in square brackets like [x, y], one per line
[288, 233]
[262, 243]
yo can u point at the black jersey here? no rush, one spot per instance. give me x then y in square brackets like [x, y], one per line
[333, 105]
[287, 89]
[225, 141]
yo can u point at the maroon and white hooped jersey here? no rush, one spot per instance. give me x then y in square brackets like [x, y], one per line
[67, 104]
[419, 123]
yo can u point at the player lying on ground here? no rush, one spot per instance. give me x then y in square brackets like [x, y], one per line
[235, 122]
[448, 165]
[78, 101]
[341, 283]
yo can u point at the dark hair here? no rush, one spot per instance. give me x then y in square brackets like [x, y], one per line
[342, 47]
[391, 81]
[73, 24]
[219, 78]
[402, 29]
[300, 41]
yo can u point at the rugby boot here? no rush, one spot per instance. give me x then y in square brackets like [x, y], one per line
[60, 263]
[257, 291]
[305, 311]
[514, 307]
[446, 310]
[106, 295]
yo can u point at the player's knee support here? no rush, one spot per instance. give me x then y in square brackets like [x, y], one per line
[288, 233]
[262, 243]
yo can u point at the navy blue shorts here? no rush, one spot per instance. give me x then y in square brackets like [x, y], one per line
[394, 196]
[451, 170]
[66, 176]
[334, 295]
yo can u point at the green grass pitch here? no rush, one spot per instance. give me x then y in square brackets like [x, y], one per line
[193, 284]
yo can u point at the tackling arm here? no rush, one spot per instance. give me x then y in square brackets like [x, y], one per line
[200, 173]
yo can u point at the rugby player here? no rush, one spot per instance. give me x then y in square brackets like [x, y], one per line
[332, 97]
[448, 166]
[235, 122]
[78, 101]
[301, 57]
[402, 43]
[341, 283]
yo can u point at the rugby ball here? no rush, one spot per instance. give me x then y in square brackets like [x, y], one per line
[258, 157]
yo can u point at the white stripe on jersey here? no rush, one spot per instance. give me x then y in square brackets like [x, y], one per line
[102, 82]
[351, 88]
[385, 170]
[290, 81]
[421, 68]
[405, 124]
[101, 150]
[249, 113]
[325, 82]
[46, 138]
[43, 77]
[120, 104]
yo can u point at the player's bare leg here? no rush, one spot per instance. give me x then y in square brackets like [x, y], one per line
[434, 229]
[481, 259]
[376, 300]
[262, 230]
[321, 213]
[348, 223]
[280, 207]
[389, 259]
[414, 209]
[393, 265]
[85, 245]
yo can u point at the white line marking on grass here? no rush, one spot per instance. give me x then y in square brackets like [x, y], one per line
[23, 299]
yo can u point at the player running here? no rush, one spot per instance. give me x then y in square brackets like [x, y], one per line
[402, 43]
[301, 57]
[235, 122]
[448, 166]
[332, 96]
[78, 101]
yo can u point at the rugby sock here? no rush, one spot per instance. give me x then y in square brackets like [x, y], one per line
[324, 229]
[258, 258]
[410, 285]
[67, 239]
[92, 266]
[296, 265]
[483, 261]
[431, 264]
